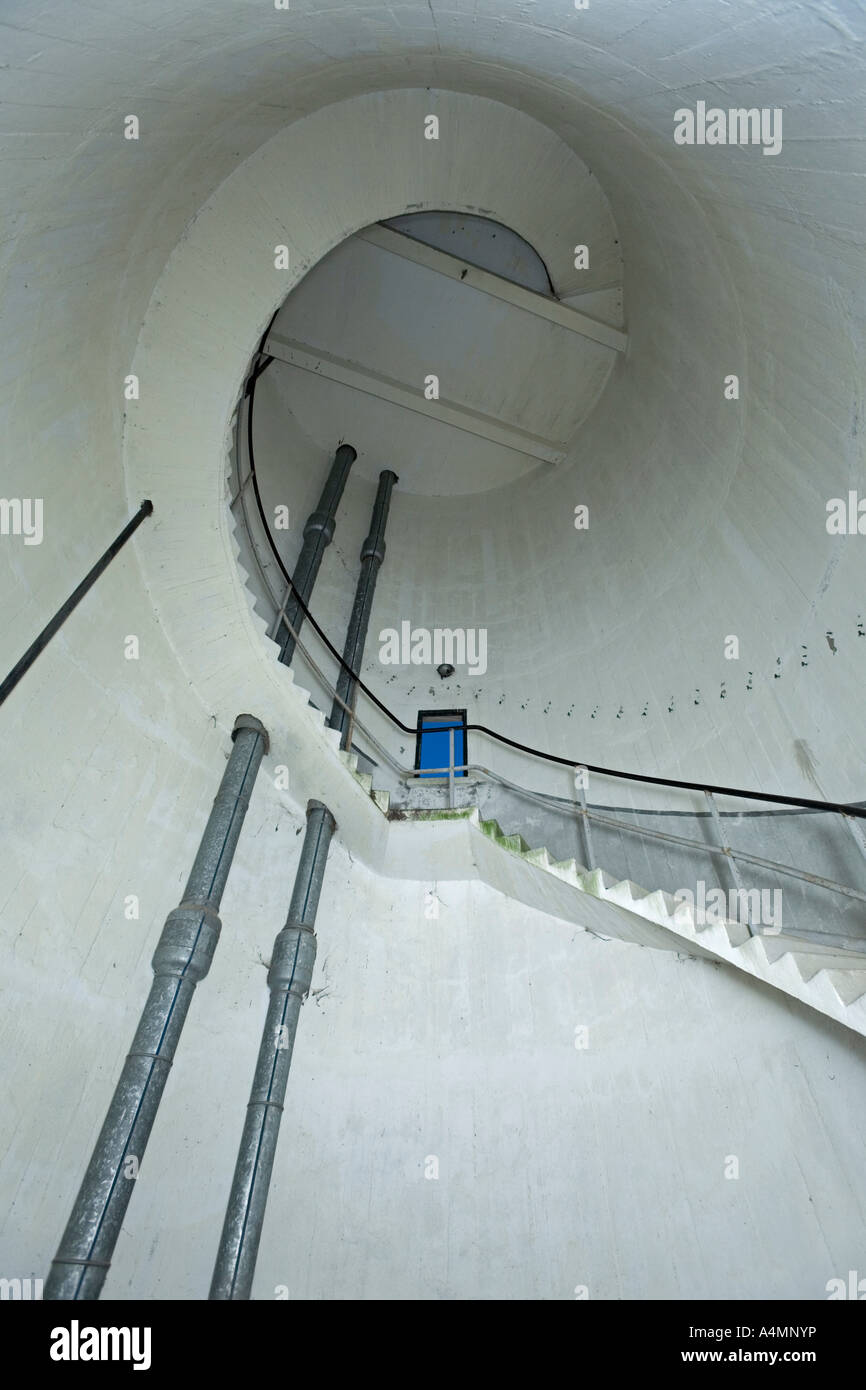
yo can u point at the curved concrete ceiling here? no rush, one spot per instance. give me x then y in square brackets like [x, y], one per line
[357, 341]
[707, 515]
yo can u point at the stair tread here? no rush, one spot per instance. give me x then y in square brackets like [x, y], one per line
[826, 977]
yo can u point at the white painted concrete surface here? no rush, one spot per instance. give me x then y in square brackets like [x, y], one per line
[455, 1038]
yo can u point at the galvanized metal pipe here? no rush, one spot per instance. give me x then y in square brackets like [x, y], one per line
[318, 534]
[289, 978]
[182, 958]
[372, 555]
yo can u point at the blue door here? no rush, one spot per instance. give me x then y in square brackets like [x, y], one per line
[432, 748]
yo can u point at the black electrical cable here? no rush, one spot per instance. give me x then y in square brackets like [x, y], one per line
[846, 809]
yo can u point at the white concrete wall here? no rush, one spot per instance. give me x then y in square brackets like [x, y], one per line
[708, 517]
[733, 262]
[455, 1037]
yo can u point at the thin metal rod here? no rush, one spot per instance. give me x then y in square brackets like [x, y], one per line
[23, 666]
[350, 730]
[428, 771]
[277, 620]
[237, 496]
[289, 978]
[372, 555]
[451, 767]
[587, 830]
[182, 957]
[741, 854]
[318, 534]
[732, 863]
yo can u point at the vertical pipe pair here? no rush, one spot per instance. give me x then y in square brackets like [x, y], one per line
[318, 534]
[182, 957]
[294, 951]
[289, 978]
[372, 555]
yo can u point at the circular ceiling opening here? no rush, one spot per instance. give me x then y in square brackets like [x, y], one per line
[437, 345]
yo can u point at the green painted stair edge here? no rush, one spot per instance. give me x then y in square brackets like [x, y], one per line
[516, 843]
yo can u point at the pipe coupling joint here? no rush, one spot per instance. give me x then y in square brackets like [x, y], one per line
[320, 521]
[292, 962]
[188, 942]
[373, 549]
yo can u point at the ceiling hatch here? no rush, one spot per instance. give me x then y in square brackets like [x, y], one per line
[436, 344]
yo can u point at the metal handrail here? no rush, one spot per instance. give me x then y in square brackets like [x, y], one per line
[841, 808]
[851, 814]
[551, 803]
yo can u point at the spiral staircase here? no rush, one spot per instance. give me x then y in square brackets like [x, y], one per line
[437, 845]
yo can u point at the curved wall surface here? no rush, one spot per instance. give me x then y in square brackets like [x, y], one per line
[155, 257]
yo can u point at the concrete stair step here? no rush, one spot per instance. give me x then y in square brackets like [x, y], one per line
[829, 979]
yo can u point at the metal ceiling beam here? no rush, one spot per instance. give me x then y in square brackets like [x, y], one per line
[401, 244]
[385, 388]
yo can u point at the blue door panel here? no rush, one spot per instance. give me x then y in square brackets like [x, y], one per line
[434, 746]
